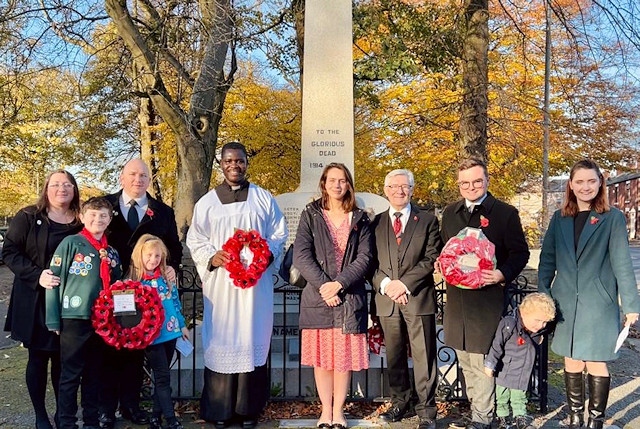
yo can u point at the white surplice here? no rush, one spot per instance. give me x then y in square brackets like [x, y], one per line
[237, 323]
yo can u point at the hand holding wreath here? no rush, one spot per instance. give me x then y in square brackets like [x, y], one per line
[468, 260]
[248, 256]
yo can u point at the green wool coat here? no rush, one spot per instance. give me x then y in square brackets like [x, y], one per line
[586, 283]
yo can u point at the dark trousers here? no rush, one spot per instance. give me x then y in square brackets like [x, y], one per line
[122, 379]
[81, 359]
[159, 357]
[421, 332]
[227, 395]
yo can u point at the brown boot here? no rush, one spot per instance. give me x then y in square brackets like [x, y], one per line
[598, 397]
[574, 383]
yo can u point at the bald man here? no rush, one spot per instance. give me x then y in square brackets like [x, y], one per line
[135, 213]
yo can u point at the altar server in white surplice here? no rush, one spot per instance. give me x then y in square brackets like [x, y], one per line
[237, 325]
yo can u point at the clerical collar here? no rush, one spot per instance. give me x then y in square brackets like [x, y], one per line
[232, 194]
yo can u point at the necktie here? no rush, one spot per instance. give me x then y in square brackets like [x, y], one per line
[132, 217]
[397, 226]
[471, 206]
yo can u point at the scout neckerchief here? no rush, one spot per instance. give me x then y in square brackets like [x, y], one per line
[101, 247]
[155, 275]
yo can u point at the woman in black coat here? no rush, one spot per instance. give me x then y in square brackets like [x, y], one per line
[332, 250]
[33, 236]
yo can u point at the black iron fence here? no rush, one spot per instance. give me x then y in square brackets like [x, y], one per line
[291, 380]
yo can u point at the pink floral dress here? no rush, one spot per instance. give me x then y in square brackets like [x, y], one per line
[330, 349]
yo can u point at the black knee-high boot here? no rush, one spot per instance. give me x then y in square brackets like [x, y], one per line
[598, 397]
[574, 382]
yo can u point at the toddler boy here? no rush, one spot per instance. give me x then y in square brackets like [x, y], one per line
[513, 354]
[85, 264]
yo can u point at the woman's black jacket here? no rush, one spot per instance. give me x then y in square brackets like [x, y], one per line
[314, 256]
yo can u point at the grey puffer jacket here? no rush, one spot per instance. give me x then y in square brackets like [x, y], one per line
[314, 256]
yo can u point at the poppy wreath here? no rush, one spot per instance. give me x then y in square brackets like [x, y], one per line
[470, 245]
[375, 338]
[246, 277]
[136, 337]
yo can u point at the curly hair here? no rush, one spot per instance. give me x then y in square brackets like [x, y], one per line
[541, 302]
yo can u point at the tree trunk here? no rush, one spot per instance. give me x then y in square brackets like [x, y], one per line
[473, 118]
[297, 8]
[196, 131]
[148, 138]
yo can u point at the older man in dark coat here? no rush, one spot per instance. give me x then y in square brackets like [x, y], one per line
[471, 316]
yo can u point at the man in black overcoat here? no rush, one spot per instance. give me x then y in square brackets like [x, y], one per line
[472, 315]
[407, 245]
[135, 213]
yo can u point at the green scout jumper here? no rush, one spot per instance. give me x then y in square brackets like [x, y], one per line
[77, 263]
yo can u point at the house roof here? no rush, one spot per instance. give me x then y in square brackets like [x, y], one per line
[622, 178]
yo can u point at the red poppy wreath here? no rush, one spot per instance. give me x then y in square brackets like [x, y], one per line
[246, 275]
[140, 336]
[465, 256]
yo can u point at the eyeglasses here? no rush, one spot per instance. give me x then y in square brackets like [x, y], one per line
[65, 185]
[478, 183]
[396, 188]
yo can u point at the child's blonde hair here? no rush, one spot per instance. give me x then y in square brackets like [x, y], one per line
[539, 302]
[136, 268]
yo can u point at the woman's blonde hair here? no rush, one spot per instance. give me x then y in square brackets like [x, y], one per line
[541, 302]
[136, 269]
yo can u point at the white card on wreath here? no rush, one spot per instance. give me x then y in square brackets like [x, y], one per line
[124, 303]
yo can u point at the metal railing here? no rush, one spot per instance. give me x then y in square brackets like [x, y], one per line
[290, 380]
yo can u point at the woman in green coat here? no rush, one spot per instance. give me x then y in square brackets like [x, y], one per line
[585, 266]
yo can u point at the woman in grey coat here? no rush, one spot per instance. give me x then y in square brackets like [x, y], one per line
[585, 266]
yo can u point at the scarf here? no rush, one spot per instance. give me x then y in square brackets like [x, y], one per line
[105, 263]
[156, 274]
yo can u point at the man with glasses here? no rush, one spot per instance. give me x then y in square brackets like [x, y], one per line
[407, 243]
[471, 316]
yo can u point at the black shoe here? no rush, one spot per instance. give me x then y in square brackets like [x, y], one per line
[524, 422]
[426, 423]
[155, 423]
[478, 425]
[105, 421]
[136, 416]
[43, 423]
[459, 424]
[249, 423]
[175, 425]
[503, 423]
[393, 414]
[220, 424]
